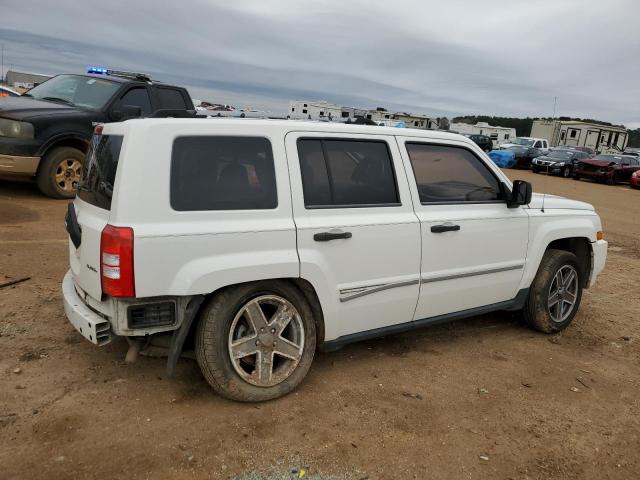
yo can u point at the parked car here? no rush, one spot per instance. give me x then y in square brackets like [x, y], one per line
[523, 155]
[540, 144]
[607, 168]
[559, 161]
[45, 133]
[632, 151]
[8, 92]
[483, 141]
[258, 241]
[634, 181]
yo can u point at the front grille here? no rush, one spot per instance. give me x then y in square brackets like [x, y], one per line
[151, 315]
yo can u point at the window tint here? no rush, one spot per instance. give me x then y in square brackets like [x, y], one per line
[538, 144]
[99, 170]
[451, 174]
[346, 173]
[137, 97]
[171, 99]
[222, 173]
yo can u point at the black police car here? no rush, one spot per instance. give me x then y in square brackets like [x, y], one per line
[45, 133]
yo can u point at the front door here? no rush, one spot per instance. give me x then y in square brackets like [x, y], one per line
[358, 236]
[473, 247]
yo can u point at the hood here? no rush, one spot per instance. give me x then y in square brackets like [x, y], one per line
[597, 163]
[23, 108]
[557, 202]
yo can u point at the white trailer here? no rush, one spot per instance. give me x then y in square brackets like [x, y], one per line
[498, 135]
[574, 133]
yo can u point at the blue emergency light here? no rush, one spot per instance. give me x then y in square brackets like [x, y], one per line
[97, 70]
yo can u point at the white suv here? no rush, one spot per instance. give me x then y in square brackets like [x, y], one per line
[256, 242]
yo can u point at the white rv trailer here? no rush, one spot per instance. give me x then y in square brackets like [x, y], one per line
[498, 135]
[574, 133]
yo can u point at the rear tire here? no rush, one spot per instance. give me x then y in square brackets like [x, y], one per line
[552, 304]
[59, 172]
[609, 180]
[257, 371]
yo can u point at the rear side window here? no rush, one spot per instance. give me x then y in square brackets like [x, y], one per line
[137, 97]
[347, 173]
[447, 174]
[171, 99]
[222, 173]
[99, 170]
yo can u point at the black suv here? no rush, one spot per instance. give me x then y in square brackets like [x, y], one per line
[484, 142]
[45, 133]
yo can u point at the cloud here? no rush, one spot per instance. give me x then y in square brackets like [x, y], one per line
[499, 57]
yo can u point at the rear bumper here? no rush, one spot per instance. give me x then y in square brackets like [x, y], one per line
[18, 165]
[599, 259]
[88, 323]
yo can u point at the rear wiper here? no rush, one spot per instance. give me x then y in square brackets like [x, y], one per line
[56, 99]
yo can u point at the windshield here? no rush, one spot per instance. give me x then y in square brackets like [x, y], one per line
[561, 154]
[526, 142]
[77, 90]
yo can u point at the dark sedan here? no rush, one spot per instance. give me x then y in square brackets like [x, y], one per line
[559, 161]
[484, 142]
[609, 169]
[523, 155]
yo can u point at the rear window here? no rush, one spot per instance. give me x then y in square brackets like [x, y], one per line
[222, 173]
[171, 99]
[99, 170]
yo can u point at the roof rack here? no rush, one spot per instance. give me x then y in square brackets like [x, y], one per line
[119, 73]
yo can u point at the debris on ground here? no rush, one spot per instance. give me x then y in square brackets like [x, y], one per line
[14, 282]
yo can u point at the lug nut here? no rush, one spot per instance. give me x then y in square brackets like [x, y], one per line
[262, 329]
[275, 343]
[257, 342]
[273, 330]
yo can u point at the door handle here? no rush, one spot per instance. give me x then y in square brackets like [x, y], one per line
[445, 228]
[328, 236]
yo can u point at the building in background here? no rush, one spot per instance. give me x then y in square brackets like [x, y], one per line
[575, 133]
[498, 135]
[322, 110]
[24, 79]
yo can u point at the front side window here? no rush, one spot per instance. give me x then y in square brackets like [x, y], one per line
[136, 97]
[222, 173]
[446, 174]
[347, 173]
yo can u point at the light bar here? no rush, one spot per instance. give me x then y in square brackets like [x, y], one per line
[97, 70]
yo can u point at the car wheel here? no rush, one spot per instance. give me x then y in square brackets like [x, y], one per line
[576, 176]
[566, 172]
[256, 342]
[609, 180]
[535, 170]
[59, 172]
[555, 294]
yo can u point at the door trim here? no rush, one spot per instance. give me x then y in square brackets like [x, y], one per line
[357, 292]
[472, 274]
[516, 303]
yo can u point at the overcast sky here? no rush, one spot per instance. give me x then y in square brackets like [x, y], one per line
[496, 57]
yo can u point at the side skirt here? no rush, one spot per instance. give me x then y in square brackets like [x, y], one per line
[516, 303]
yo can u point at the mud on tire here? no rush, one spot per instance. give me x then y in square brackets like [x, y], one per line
[537, 312]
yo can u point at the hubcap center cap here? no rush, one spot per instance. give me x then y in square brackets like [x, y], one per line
[266, 340]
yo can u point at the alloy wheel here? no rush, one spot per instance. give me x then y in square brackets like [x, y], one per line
[563, 293]
[68, 174]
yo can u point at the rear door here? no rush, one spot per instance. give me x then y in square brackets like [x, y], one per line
[92, 209]
[473, 247]
[358, 236]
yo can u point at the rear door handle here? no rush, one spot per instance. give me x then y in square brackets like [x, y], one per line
[445, 228]
[328, 236]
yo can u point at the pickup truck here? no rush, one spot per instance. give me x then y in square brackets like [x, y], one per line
[257, 242]
[45, 133]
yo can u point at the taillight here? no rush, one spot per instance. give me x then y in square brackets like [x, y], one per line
[98, 130]
[116, 261]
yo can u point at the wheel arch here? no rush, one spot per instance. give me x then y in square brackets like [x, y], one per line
[74, 141]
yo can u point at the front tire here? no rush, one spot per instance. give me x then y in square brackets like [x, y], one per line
[556, 292]
[566, 172]
[59, 172]
[256, 341]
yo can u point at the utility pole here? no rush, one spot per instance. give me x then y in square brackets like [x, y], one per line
[555, 102]
[2, 63]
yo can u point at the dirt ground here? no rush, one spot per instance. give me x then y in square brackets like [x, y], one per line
[480, 398]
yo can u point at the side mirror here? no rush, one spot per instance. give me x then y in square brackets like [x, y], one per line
[124, 112]
[520, 194]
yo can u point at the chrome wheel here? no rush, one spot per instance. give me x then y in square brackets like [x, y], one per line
[266, 340]
[563, 293]
[68, 174]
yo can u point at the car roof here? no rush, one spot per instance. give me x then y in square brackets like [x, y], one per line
[119, 79]
[287, 125]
